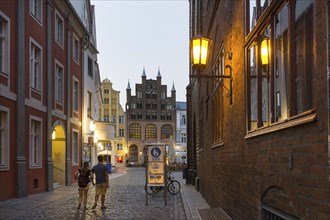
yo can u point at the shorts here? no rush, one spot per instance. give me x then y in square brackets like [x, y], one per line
[101, 189]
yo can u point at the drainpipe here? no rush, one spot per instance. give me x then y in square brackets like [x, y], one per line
[68, 104]
[328, 77]
[21, 163]
[49, 159]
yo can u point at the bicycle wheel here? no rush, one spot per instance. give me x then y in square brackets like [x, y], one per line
[174, 187]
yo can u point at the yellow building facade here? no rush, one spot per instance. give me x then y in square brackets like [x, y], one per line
[113, 112]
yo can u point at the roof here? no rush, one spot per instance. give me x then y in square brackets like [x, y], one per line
[181, 105]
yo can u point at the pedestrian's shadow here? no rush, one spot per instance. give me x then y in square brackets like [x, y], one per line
[80, 214]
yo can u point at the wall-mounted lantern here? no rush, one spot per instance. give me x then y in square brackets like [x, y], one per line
[199, 48]
[199, 58]
[92, 126]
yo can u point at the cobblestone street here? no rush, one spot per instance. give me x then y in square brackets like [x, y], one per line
[125, 199]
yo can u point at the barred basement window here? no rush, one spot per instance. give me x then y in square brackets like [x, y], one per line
[270, 213]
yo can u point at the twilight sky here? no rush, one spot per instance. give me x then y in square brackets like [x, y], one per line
[132, 34]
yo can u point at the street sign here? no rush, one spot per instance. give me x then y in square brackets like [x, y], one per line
[156, 167]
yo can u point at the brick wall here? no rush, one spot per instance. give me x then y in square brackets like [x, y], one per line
[286, 169]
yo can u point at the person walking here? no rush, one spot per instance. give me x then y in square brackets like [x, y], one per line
[102, 181]
[84, 176]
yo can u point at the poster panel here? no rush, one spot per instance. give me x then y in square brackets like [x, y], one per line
[157, 179]
[155, 168]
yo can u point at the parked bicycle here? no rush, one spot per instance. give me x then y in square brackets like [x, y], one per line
[173, 186]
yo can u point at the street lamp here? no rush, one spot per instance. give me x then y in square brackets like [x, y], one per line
[199, 58]
[92, 126]
[200, 48]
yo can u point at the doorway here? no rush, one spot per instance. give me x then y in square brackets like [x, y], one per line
[58, 155]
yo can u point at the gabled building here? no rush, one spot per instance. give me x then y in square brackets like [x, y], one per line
[150, 115]
[112, 112]
[41, 94]
[258, 111]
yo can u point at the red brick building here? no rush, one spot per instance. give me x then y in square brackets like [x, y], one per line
[41, 74]
[265, 136]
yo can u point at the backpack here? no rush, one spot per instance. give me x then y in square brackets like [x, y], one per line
[83, 178]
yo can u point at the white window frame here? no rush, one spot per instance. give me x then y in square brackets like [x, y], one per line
[119, 146]
[75, 48]
[59, 29]
[121, 132]
[5, 45]
[75, 147]
[35, 73]
[121, 119]
[4, 138]
[35, 142]
[59, 83]
[36, 10]
[75, 95]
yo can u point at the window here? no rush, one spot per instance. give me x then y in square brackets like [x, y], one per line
[163, 95]
[75, 144]
[271, 83]
[121, 119]
[75, 96]
[106, 91]
[35, 142]
[119, 146]
[106, 100]
[183, 120]
[139, 94]
[218, 98]
[90, 67]
[183, 137]
[59, 29]
[36, 9]
[4, 138]
[135, 131]
[114, 119]
[151, 131]
[89, 104]
[106, 118]
[4, 44]
[166, 131]
[59, 81]
[35, 66]
[75, 48]
[121, 132]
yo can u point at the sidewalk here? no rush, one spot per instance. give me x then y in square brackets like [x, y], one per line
[191, 199]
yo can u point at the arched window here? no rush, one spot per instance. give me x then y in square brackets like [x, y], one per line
[133, 153]
[151, 131]
[135, 131]
[166, 131]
